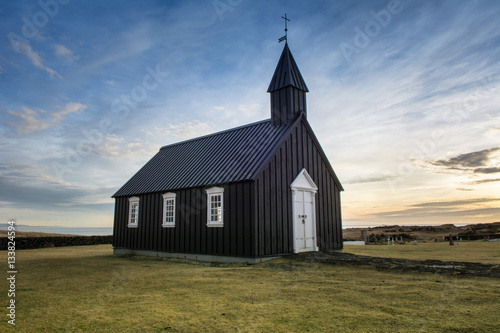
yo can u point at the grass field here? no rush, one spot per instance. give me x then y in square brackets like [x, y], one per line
[476, 251]
[87, 289]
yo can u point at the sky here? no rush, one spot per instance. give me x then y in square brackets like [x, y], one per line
[404, 99]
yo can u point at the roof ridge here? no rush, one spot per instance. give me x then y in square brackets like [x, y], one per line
[216, 133]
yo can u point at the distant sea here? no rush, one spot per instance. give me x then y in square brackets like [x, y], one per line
[101, 231]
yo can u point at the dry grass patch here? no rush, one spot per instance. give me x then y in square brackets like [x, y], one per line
[475, 251]
[85, 288]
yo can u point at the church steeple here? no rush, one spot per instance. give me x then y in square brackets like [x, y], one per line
[288, 90]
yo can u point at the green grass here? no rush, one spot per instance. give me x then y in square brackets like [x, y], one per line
[475, 251]
[87, 289]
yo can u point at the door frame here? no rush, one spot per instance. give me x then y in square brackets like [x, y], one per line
[303, 182]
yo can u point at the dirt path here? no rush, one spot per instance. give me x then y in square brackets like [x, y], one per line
[433, 266]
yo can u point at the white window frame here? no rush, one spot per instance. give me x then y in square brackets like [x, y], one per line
[168, 197]
[212, 193]
[131, 202]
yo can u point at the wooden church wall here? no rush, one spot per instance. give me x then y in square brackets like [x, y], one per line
[274, 196]
[283, 102]
[190, 234]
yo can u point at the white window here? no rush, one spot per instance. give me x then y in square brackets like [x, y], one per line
[168, 220]
[133, 213]
[215, 207]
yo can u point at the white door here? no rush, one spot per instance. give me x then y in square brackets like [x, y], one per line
[304, 218]
[305, 238]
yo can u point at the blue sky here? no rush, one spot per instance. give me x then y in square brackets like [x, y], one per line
[403, 98]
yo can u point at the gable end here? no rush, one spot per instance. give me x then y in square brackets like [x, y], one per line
[301, 120]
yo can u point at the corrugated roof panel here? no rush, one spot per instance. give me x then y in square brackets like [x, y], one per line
[241, 156]
[228, 156]
[234, 156]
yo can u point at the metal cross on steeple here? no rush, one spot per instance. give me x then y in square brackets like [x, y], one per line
[286, 29]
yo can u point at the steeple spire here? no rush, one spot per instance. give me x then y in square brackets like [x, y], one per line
[287, 73]
[288, 90]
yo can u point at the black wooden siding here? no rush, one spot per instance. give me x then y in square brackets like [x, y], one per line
[190, 234]
[273, 196]
[286, 105]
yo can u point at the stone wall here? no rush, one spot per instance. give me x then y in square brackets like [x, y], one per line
[39, 242]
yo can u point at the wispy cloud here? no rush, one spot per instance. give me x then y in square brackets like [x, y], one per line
[29, 120]
[127, 42]
[443, 209]
[476, 162]
[455, 203]
[482, 181]
[22, 185]
[424, 215]
[185, 130]
[35, 58]
[469, 160]
[239, 111]
[114, 147]
[371, 179]
[487, 170]
[63, 53]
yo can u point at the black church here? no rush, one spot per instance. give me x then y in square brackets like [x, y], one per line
[244, 194]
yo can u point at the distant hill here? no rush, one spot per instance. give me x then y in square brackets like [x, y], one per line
[428, 233]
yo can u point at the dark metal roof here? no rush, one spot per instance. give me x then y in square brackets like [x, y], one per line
[224, 157]
[287, 73]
